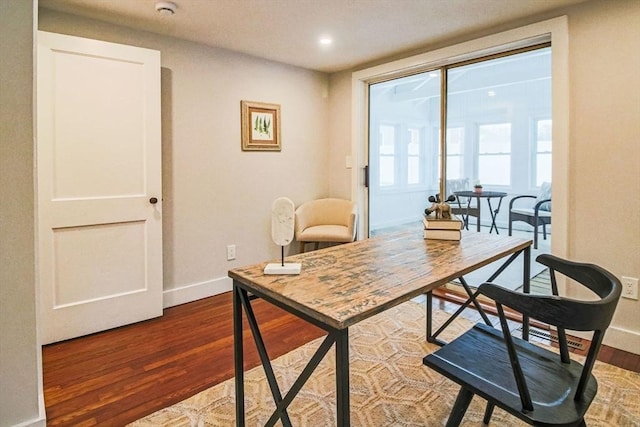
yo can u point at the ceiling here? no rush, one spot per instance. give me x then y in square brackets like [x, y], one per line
[287, 31]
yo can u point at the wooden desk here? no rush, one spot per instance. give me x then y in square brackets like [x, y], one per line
[343, 285]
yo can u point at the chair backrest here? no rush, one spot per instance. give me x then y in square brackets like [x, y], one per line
[461, 184]
[329, 211]
[582, 315]
[567, 313]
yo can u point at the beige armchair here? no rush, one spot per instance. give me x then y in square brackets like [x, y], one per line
[325, 220]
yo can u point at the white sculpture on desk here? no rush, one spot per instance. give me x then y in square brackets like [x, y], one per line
[282, 225]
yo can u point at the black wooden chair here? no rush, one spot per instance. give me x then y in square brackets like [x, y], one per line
[530, 382]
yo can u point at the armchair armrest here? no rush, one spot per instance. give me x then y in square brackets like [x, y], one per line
[301, 219]
[352, 224]
[536, 208]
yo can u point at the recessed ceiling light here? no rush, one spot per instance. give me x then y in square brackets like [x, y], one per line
[166, 8]
[491, 93]
[325, 40]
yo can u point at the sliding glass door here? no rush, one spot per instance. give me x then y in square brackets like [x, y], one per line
[404, 148]
[500, 110]
[497, 115]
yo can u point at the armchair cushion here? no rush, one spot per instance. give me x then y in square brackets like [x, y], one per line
[545, 194]
[531, 212]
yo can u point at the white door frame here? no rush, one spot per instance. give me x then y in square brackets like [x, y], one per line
[554, 30]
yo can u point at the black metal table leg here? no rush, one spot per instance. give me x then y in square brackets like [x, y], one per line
[238, 352]
[302, 379]
[432, 337]
[342, 378]
[526, 288]
[242, 300]
[264, 358]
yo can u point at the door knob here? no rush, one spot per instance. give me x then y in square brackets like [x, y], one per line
[153, 200]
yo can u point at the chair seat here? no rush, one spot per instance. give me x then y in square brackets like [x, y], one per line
[553, 403]
[531, 212]
[326, 233]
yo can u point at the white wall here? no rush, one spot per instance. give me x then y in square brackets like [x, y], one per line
[339, 136]
[215, 194]
[604, 169]
[20, 357]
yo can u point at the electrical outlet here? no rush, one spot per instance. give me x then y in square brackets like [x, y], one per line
[231, 252]
[630, 287]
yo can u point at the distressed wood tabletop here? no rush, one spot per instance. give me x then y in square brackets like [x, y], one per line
[345, 284]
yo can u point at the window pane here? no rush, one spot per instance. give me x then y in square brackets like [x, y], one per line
[543, 169]
[387, 149]
[387, 139]
[413, 159]
[413, 147]
[386, 171]
[543, 152]
[455, 140]
[494, 138]
[499, 97]
[454, 167]
[495, 169]
[455, 151]
[494, 154]
[404, 121]
[413, 171]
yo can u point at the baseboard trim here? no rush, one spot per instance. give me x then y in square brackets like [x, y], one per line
[196, 291]
[39, 422]
[623, 339]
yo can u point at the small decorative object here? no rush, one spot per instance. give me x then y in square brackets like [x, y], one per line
[282, 220]
[442, 209]
[477, 188]
[260, 126]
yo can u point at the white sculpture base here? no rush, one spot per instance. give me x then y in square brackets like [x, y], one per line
[287, 268]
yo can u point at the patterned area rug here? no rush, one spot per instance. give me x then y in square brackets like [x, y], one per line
[389, 385]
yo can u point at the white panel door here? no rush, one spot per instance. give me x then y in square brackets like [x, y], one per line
[99, 203]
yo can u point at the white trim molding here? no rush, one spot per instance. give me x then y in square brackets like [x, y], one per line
[196, 291]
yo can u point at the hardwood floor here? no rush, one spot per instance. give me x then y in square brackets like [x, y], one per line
[118, 376]
[115, 377]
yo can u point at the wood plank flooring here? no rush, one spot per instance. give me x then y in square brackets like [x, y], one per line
[118, 376]
[115, 377]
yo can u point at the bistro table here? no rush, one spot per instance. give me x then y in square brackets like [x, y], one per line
[475, 211]
[342, 285]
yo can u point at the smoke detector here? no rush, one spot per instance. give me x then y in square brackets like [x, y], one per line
[166, 8]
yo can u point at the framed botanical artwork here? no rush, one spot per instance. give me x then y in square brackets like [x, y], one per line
[260, 126]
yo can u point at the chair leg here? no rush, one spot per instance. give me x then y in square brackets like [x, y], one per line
[488, 412]
[535, 237]
[316, 245]
[460, 407]
[302, 247]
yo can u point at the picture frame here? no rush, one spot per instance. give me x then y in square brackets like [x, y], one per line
[260, 122]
